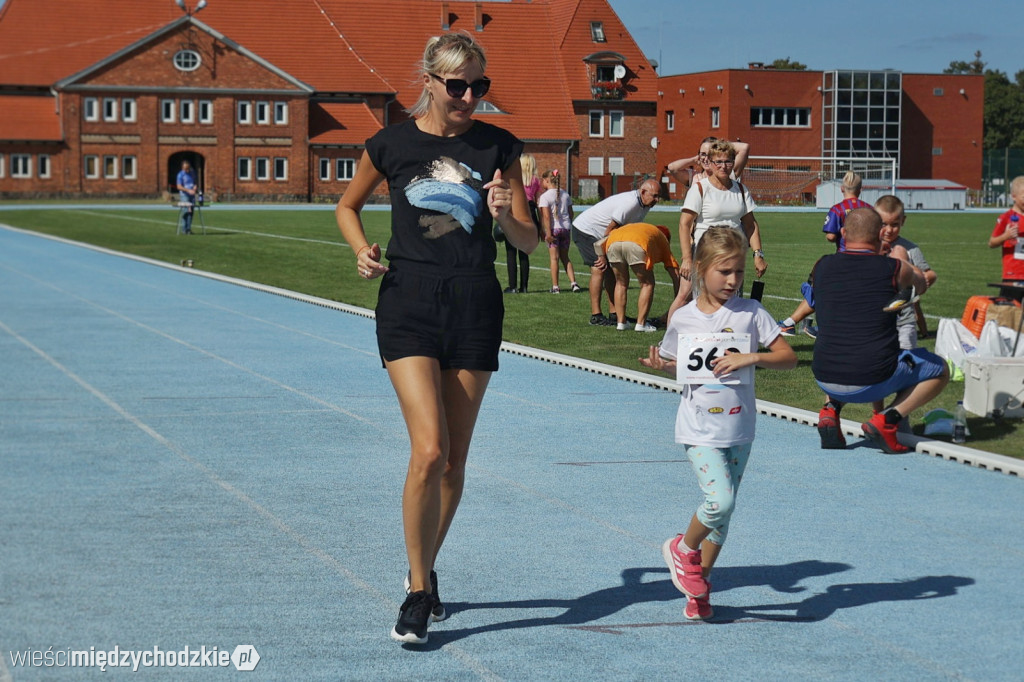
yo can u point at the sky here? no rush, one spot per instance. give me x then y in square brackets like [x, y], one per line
[912, 36]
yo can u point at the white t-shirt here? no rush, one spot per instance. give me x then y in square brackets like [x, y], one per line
[623, 208]
[715, 414]
[560, 204]
[718, 207]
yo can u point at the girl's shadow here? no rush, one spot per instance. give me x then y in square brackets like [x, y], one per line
[605, 602]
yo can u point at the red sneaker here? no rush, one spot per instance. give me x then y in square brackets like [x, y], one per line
[685, 568]
[829, 430]
[883, 435]
[699, 609]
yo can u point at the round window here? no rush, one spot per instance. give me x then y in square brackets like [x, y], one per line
[186, 60]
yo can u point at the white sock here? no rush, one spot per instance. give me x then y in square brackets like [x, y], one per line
[788, 322]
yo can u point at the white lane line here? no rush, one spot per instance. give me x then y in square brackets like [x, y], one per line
[301, 540]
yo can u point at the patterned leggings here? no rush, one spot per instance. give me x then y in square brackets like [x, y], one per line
[719, 472]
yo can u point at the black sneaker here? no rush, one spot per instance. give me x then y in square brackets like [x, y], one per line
[599, 320]
[413, 619]
[437, 612]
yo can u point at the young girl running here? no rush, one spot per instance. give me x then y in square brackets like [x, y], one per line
[717, 336]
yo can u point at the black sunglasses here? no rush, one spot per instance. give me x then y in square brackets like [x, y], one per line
[457, 87]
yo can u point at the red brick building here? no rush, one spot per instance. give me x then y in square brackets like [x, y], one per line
[273, 100]
[930, 124]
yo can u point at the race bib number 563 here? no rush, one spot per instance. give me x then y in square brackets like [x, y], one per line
[697, 353]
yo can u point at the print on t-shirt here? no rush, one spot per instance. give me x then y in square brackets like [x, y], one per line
[450, 188]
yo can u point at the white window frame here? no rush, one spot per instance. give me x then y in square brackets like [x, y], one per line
[91, 109]
[716, 117]
[110, 166]
[244, 167]
[281, 113]
[345, 169]
[597, 32]
[129, 110]
[110, 109]
[129, 167]
[262, 171]
[766, 117]
[670, 120]
[598, 116]
[616, 162]
[280, 168]
[244, 109]
[620, 118]
[43, 161]
[187, 111]
[206, 111]
[3, 165]
[325, 168]
[262, 113]
[91, 166]
[21, 165]
[168, 109]
[595, 163]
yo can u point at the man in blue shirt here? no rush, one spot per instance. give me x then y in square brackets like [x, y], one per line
[186, 184]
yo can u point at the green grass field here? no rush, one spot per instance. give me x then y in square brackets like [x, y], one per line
[302, 250]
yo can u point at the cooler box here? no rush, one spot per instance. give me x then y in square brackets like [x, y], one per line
[994, 384]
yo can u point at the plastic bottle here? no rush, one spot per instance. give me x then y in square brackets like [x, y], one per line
[960, 423]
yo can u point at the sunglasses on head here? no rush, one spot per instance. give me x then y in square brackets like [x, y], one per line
[457, 87]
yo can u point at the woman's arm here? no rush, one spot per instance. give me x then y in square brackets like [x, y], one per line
[360, 188]
[752, 229]
[506, 200]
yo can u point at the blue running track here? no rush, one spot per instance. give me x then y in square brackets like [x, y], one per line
[190, 462]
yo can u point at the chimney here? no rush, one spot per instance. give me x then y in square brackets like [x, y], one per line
[478, 16]
[445, 17]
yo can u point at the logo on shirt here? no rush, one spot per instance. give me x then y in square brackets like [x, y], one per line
[716, 410]
[450, 188]
[736, 410]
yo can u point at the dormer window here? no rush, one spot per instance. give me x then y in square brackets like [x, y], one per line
[605, 73]
[597, 31]
[485, 107]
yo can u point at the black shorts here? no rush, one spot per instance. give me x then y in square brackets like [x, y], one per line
[585, 243]
[455, 317]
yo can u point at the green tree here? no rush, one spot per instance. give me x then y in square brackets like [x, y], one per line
[976, 66]
[1004, 103]
[785, 64]
[1004, 110]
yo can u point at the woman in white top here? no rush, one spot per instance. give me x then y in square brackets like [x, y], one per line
[717, 200]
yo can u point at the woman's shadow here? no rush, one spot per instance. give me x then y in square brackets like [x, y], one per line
[580, 612]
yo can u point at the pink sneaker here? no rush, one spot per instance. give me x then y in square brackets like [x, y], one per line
[685, 568]
[699, 609]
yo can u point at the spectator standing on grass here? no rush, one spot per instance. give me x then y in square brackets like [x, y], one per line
[637, 247]
[555, 209]
[1006, 235]
[717, 201]
[532, 187]
[439, 309]
[186, 184]
[857, 357]
[891, 211]
[596, 223]
[717, 414]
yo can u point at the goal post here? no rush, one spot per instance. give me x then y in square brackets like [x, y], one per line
[811, 180]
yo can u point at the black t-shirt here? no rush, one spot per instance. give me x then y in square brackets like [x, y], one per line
[439, 213]
[857, 343]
